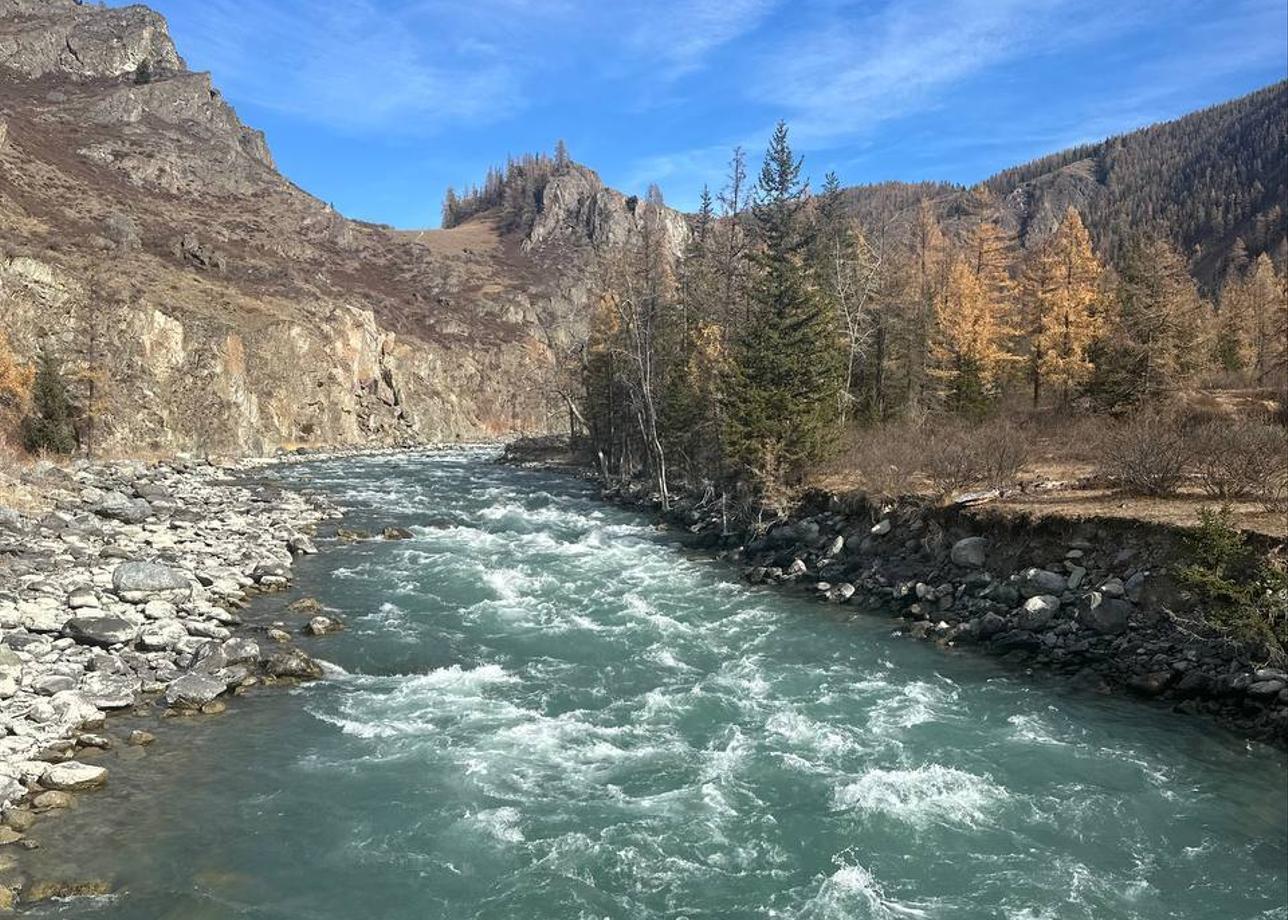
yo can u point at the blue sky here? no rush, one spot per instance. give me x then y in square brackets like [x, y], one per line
[379, 105]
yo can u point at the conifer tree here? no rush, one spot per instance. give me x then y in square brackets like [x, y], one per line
[783, 402]
[50, 426]
[927, 274]
[970, 347]
[1157, 341]
[1059, 293]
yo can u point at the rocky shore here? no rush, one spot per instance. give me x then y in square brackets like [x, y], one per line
[1093, 600]
[120, 587]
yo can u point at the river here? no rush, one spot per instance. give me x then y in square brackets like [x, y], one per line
[545, 708]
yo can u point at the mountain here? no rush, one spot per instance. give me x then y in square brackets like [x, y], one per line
[1203, 181]
[148, 234]
[148, 240]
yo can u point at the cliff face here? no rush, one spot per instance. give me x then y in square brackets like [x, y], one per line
[149, 241]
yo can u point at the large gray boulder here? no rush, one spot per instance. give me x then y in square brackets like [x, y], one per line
[1033, 582]
[969, 553]
[72, 776]
[1106, 615]
[139, 582]
[193, 690]
[110, 691]
[101, 631]
[118, 507]
[292, 662]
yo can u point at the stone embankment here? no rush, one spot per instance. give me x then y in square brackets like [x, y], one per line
[1093, 599]
[123, 593]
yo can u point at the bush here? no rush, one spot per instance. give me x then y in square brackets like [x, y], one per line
[50, 427]
[1239, 590]
[1148, 454]
[951, 461]
[143, 73]
[991, 454]
[1242, 460]
[884, 460]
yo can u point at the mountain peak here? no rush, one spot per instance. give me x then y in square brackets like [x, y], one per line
[42, 37]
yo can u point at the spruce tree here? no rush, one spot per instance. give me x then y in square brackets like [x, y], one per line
[787, 374]
[50, 426]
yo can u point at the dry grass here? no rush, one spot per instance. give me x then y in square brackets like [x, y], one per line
[1058, 470]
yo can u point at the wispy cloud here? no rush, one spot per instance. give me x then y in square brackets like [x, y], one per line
[356, 64]
[675, 37]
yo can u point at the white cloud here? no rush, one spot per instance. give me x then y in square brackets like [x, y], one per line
[356, 64]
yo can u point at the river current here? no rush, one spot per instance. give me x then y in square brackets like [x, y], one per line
[543, 707]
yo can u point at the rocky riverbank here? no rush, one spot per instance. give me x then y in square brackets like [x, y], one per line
[120, 586]
[1091, 599]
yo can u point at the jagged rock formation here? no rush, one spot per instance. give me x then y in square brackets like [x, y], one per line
[148, 238]
[577, 206]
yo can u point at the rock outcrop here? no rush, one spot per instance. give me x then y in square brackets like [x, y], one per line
[150, 242]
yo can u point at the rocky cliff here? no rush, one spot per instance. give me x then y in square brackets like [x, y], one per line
[150, 242]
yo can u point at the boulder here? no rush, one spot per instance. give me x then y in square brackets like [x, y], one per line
[72, 776]
[1033, 582]
[1038, 611]
[240, 649]
[100, 631]
[990, 624]
[117, 507]
[1106, 615]
[139, 582]
[110, 691]
[83, 597]
[292, 662]
[396, 533]
[323, 626]
[162, 635]
[970, 552]
[193, 690]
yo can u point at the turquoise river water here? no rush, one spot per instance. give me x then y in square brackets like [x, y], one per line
[545, 708]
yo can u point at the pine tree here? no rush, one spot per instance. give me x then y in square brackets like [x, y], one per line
[451, 209]
[1059, 294]
[50, 426]
[787, 376]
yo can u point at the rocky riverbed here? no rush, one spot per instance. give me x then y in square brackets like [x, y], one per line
[120, 587]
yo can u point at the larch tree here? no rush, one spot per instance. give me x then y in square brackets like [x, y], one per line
[15, 387]
[970, 347]
[1059, 294]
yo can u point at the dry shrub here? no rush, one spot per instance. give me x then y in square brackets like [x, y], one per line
[1148, 454]
[951, 462]
[884, 460]
[991, 454]
[1242, 460]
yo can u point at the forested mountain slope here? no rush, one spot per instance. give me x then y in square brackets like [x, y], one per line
[1204, 182]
